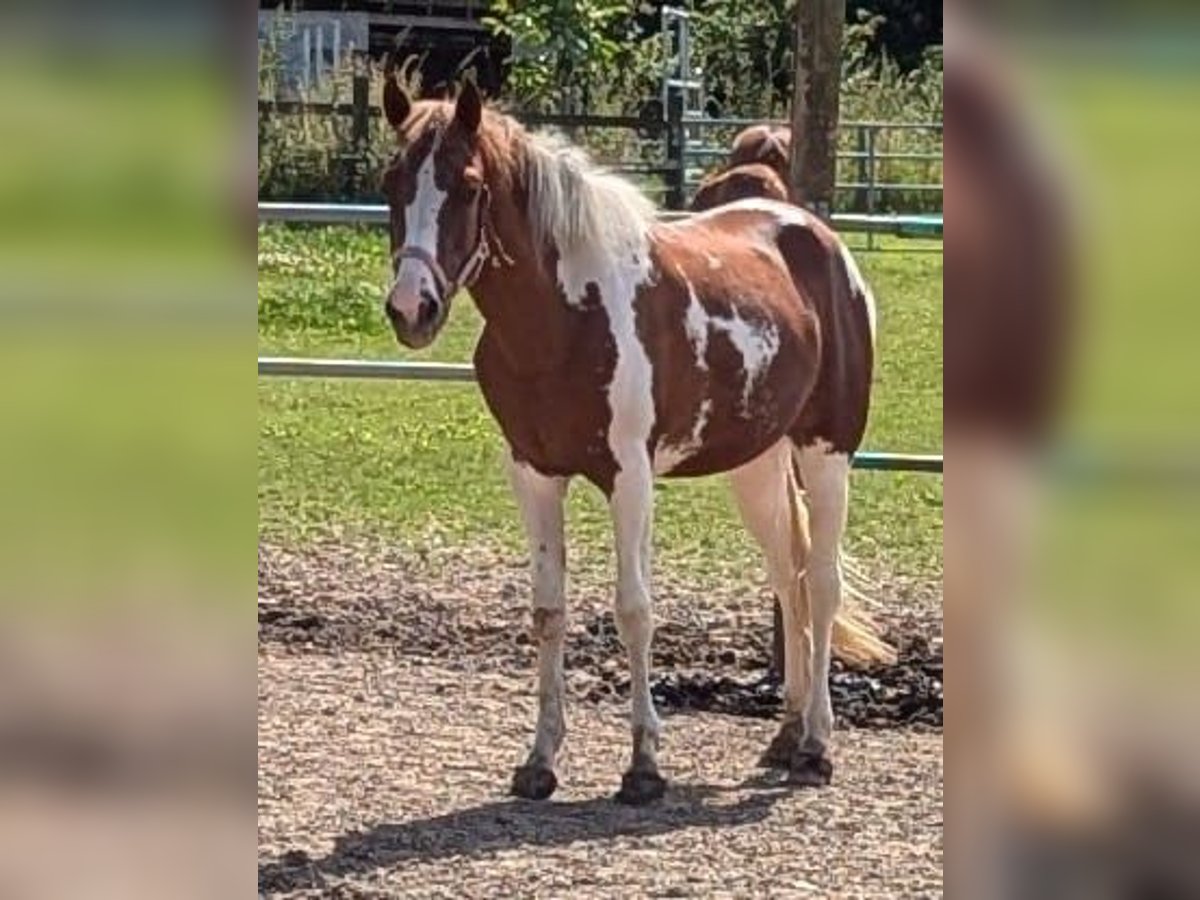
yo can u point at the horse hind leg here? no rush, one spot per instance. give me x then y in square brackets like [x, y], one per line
[826, 478]
[770, 505]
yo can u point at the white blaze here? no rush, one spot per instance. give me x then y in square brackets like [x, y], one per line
[420, 230]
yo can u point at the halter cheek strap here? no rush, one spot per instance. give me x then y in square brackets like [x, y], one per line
[447, 287]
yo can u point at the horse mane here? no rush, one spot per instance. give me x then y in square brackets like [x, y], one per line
[571, 202]
[577, 205]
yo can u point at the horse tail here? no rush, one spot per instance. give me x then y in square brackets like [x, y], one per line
[856, 638]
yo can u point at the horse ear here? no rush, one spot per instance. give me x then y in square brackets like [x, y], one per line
[396, 105]
[468, 110]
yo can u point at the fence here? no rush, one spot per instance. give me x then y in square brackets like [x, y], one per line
[291, 367]
[687, 142]
[377, 214]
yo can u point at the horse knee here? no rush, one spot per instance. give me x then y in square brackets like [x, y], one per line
[634, 621]
[825, 588]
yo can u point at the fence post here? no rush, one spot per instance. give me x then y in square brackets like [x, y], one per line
[860, 147]
[871, 180]
[361, 127]
[676, 140]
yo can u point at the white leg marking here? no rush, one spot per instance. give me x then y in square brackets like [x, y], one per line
[762, 489]
[540, 499]
[632, 510]
[826, 481]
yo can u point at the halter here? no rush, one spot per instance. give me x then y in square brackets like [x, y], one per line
[469, 271]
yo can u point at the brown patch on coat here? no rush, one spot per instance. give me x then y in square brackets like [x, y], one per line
[838, 410]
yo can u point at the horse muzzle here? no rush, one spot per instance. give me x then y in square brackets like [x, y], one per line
[415, 306]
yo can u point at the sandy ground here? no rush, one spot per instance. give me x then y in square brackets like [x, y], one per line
[396, 695]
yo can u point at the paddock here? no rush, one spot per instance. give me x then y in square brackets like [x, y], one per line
[395, 665]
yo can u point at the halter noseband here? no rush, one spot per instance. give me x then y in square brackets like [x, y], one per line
[447, 287]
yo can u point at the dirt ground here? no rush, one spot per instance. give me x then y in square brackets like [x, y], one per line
[396, 694]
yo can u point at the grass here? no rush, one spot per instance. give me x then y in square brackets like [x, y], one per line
[420, 463]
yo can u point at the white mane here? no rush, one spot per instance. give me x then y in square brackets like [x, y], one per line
[578, 206]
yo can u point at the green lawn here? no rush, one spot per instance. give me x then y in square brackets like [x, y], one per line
[421, 462]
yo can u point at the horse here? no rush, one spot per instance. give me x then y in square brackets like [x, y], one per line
[768, 144]
[618, 349]
[739, 183]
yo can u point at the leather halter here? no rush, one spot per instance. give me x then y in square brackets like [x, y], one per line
[486, 234]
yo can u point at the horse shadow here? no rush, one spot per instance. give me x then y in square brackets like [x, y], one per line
[512, 823]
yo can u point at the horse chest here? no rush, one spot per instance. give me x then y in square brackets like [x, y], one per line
[556, 420]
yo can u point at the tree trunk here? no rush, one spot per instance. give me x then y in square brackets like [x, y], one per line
[815, 101]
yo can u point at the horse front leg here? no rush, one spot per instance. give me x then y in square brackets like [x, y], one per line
[632, 505]
[540, 499]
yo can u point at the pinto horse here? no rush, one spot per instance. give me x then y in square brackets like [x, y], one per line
[769, 145]
[616, 349]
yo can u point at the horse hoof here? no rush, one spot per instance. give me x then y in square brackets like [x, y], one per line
[810, 770]
[639, 787]
[533, 782]
[779, 752]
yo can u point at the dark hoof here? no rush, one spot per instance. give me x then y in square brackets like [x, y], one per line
[810, 770]
[533, 782]
[639, 787]
[782, 748]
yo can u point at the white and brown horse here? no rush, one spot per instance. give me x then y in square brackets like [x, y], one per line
[743, 182]
[618, 349]
[765, 144]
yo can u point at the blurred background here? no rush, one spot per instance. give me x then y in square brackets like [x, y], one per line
[128, 459]
[127, 524]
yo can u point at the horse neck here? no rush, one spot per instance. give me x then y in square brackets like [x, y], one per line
[517, 296]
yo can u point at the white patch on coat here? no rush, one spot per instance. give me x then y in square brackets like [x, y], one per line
[757, 342]
[859, 284]
[630, 393]
[695, 322]
[595, 220]
[421, 230]
[783, 213]
[668, 456]
[713, 262]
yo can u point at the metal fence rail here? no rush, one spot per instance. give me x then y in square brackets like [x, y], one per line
[294, 367]
[377, 214]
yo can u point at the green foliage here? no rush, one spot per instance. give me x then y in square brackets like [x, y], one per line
[572, 55]
[592, 54]
[744, 54]
[316, 157]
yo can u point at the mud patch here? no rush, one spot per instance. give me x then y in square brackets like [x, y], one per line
[707, 657]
